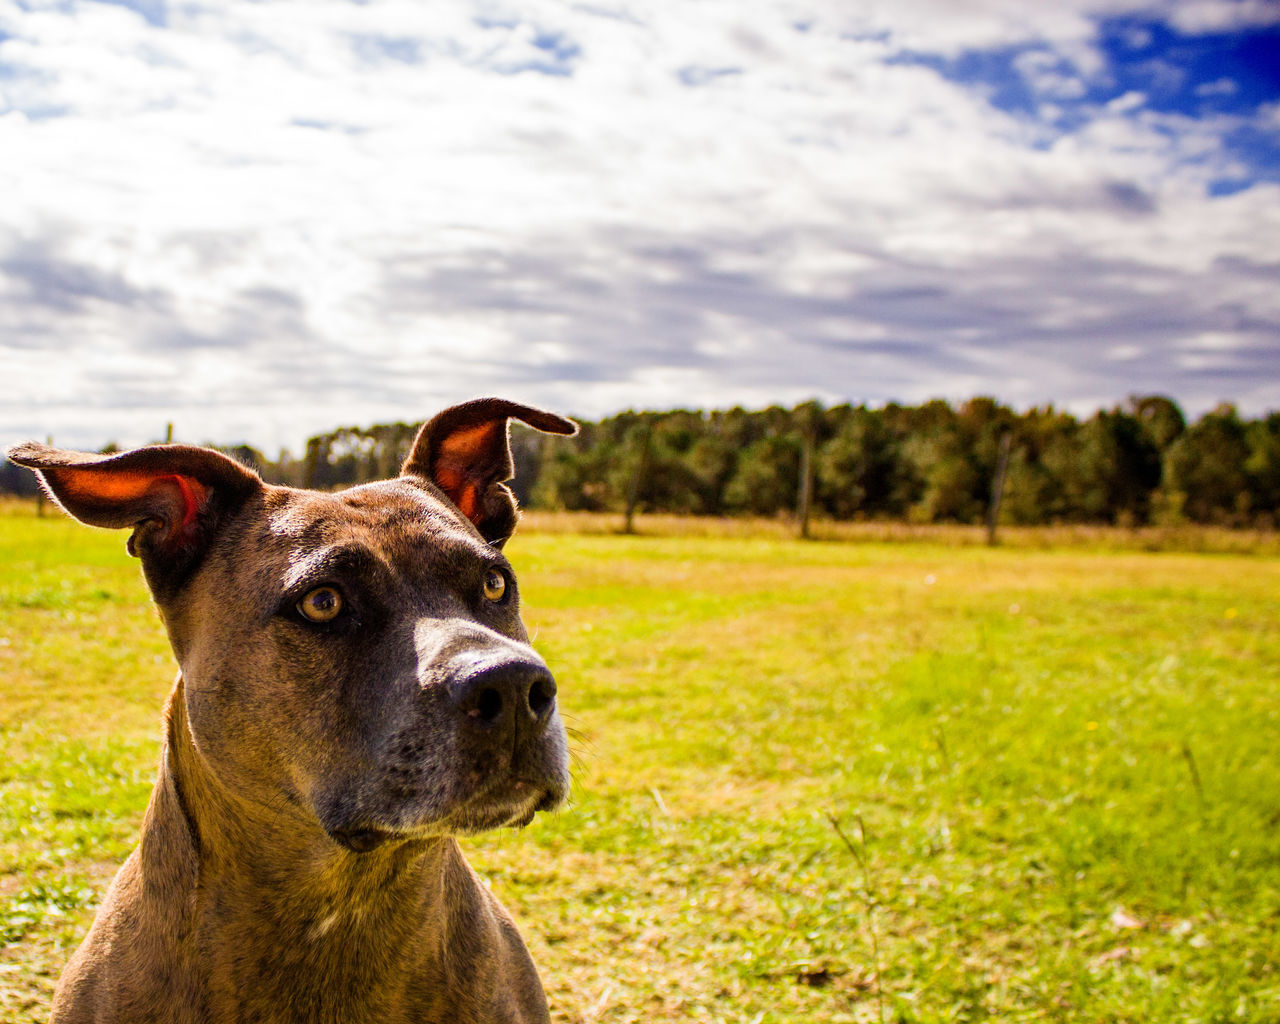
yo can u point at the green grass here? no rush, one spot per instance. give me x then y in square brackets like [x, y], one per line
[1056, 772]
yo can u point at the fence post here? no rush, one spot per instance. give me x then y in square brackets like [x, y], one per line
[806, 483]
[997, 487]
[637, 478]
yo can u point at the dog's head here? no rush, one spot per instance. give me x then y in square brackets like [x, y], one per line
[356, 656]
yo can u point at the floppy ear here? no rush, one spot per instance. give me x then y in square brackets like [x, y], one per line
[174, 497]
[466, 452]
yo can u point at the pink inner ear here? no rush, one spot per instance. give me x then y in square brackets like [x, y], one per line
[469, 445]
[456, 460]
[193, 499]
[462, 491]
[184, 497]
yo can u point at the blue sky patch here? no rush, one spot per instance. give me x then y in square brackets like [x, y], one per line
[1225, 75]
[557, 45]
[1222, 73]
[557, 52]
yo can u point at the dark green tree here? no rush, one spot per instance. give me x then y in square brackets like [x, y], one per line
[1204, 469]
[1262, 467]
[1162, 421]
[861, 471]
[766, 477]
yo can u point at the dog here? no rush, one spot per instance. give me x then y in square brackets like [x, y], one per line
[355, 690]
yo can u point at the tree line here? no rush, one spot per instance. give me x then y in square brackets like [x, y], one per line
[1139, 463]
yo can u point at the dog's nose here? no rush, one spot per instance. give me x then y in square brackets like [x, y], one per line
[521, 694]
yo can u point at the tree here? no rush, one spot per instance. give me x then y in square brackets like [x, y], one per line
[1116, 466]
[808, 422]
[766, 477]
[1162, 421]
[1204, 469]
[942, 452]
[1262, 466]
[575, 476]
[1040, 457]
[932, 462]
[951, 481]
[861, 470]
[1029, 488]
[711, 460]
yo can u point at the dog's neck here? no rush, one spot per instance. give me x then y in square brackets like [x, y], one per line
[317, 916]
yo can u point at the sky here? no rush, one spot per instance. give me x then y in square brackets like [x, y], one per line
[260, 219]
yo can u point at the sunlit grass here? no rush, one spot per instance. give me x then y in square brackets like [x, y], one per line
[1065, 761]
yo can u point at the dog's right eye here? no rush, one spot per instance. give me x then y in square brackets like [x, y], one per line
[321, 605]
[495, 586]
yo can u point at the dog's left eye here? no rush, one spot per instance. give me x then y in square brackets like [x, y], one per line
[495, 585]
[321, 605]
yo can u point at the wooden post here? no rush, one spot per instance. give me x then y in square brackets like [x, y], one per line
[805, 505]
[637, 479]
[309, 466]
[997, 487]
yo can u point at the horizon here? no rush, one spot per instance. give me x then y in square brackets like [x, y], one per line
[704, 412]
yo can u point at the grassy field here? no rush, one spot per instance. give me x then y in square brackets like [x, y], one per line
[818, 782]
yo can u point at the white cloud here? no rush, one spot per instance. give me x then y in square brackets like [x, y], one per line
[1046, 74]
[261, 219]
[1204, 16]
[1221, 87]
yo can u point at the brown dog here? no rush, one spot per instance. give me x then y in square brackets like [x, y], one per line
[356, 689]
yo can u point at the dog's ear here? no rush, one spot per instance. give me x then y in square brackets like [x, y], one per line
[174, 496]
[466, 452]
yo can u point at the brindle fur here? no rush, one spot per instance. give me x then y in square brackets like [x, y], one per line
[298, 859]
